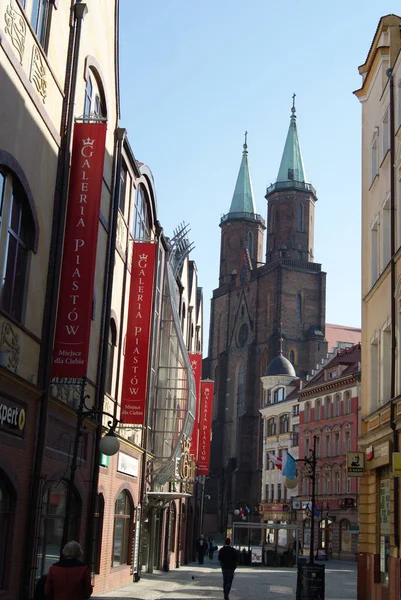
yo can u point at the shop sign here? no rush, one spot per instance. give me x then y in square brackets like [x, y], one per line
[12, 417]
[74, 315]
[276, 508]
[187, 463]
[196, 364]
[355, 462]
[136, 362]
[397, 464]
[380, 456]
[127, 464]
[385, 507]
[205, 423]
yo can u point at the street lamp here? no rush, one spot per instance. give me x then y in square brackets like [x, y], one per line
[108, 445]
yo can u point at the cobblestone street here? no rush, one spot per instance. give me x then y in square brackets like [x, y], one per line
[192, 582]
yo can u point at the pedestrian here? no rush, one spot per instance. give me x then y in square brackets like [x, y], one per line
[201, 547]
[69, 577]
[211, 548]
[228, 561]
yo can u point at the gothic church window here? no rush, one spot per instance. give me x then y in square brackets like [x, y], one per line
[300, 217]
[299, 308]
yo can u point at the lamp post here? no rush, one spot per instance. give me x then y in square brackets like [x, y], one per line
[108, 445]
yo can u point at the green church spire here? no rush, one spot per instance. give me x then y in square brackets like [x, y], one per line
[243, 201]
[292, 166]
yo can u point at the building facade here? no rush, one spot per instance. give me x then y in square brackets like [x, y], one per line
[257, 302]
[380, 98]
[329, 412]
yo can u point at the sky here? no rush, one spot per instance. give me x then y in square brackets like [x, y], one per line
[195, 75]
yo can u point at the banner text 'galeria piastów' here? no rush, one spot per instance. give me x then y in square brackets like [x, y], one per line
[196, 364]
[74, 315]
[137, 347]
[205, 422]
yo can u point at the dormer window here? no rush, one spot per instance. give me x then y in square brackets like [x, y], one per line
[278, 394]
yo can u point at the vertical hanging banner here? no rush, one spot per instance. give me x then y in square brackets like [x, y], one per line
[205, 422]
[74, 315]
[196, 364]
[137, 345]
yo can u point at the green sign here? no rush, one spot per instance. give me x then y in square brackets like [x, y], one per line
[353, 528]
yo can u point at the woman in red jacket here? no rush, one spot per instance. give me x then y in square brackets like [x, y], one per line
[69, 577]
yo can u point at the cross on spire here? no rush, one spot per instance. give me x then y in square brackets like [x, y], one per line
[293, 104]
[246, 137]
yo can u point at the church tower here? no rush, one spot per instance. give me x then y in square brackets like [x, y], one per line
[258, 309]
[241, 229]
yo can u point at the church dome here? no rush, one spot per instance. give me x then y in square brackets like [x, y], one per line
[280, 366]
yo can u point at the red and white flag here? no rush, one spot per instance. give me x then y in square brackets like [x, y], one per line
[276, 460]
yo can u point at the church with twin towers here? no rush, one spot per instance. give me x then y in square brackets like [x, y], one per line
[269, 306]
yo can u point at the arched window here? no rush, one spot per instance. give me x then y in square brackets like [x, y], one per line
[122, 530]
[299, 308]
[271, 427]
[300, 217]
[52, 522]
[111, 344]
[307, 412]
[94, 105]
[241, 391]
[337, 481]
[250, 244]
[292, 357]
[6, 507]
[327, 407]
[284, 423]
[337, 405]
[347, 403]
[140, 223]
[17, 233]
[318, 410]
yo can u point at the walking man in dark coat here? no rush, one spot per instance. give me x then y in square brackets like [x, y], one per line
[201, 547]
[228, 561]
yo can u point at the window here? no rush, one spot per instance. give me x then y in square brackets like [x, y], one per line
[295, 410]
[268, 460]
[318, 450]
[385, 374]
[266, 492]
[17, 232]
[337, 405]
[349, 485]
[347, 441]
[374, 235]
[307, 412]
[292, 357]
[278, 492]
[284, 423]
[140, 229]
[347, 403]
[241, 391]
[318, 411]
[307, 447]
[278, 394]
[125, 182]
[327, 444]
[112, 343]
[337, 482]
[300, 217]
[385, 233]
[295, 435]
[299, 308]
[271, 427]
[327, 408]
[374, 372]
[93, 104]
[375, 156]
[272, 492]
[122, 530]
[337, 443]
[40, 20]
[5, 523]
[299, 254]
[386, 133]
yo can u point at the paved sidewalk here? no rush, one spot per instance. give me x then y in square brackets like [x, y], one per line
[193, 582]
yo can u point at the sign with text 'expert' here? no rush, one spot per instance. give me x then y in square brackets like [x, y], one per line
[136, 362]
[74, 315]
[205, 422]
[196, 364]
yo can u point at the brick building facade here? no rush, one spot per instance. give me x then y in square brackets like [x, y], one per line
[255, 303]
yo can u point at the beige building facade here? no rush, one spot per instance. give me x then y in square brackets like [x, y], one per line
[379, 507]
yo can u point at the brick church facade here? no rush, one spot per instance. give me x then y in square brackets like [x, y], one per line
[259, 299]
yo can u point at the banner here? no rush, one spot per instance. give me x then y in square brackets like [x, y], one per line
[205, 422]
[137, 345]
[196, 364]
[74, 316]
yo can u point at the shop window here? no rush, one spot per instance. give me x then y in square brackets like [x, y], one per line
[17, 233]
[52, 523]
[6, 504]
[140, 225]
[122, 535]
[112, 343]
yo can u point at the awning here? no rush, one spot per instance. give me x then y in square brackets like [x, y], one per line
[161, 499]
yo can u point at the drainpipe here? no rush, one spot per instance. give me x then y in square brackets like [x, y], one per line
[389, 74]
[104, 330]
[53, 281]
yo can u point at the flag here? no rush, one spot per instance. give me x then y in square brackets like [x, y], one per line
[289, 466]
[276, 460]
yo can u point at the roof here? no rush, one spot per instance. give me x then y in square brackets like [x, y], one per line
[280, 366]
[243, 200]
[348, 358]
[292, 165]
[341, 335]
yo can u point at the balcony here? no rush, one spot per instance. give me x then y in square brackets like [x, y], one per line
[242, 216]
[290, 185]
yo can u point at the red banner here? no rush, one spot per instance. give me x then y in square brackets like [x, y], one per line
[205, 423]
[135, 378]
[196, 364]
[74, 316]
